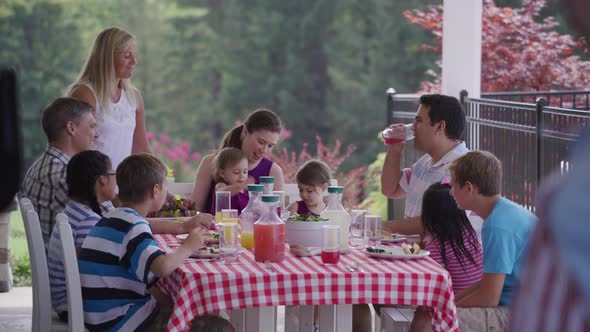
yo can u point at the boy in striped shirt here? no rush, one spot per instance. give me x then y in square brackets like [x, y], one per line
[120, 261]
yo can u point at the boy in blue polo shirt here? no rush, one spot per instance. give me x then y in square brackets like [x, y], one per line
[120, 260]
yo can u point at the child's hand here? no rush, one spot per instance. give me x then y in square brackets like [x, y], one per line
[201, 220]
[195, 239]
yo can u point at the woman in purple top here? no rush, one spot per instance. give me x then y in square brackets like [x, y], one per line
[312, 180]
[256, 138]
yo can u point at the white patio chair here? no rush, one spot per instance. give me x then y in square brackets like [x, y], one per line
[44, 318]
[70, 261]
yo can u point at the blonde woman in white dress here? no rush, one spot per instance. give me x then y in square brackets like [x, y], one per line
[105, 83]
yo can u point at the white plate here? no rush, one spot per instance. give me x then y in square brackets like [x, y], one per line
[393, 238]
[208, 239]
[395, 253]
[302, 251]
[206, 255]
[212, 255]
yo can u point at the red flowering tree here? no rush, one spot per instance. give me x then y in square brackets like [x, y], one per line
[520, 51]
[182, 160]
[179, 157]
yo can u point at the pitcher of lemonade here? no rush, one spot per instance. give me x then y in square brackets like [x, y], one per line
[269, 233]
[337, 215]
[250, 214]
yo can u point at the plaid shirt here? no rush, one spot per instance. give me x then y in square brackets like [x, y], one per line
[45, 185]
[422, 174]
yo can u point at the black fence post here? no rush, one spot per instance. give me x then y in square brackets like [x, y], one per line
[390, 109]
[540, 104]
[463, 95]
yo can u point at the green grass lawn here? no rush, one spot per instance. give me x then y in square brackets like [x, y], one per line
[18, 239]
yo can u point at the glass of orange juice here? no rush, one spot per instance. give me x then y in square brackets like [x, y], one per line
[222, 201]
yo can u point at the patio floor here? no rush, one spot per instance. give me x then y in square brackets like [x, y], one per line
[16, 309]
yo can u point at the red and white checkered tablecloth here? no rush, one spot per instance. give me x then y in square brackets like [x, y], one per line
[199, 288]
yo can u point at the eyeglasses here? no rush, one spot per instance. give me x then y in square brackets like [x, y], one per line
[105, 174]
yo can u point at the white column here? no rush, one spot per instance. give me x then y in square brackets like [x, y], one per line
[461, 52]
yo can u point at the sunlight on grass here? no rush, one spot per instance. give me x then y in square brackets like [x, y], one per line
[18, 239]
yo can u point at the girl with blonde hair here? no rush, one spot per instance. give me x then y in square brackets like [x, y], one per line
[105, 83]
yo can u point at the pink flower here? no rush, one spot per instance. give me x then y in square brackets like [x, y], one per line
[185, 146]
[170, 154]
[195, 156]
[165, 139]
[150, 135]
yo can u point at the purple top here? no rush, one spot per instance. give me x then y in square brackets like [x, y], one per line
[263, 169]
[303, 209]
[240, 200]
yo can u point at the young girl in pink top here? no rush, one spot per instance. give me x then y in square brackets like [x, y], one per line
[312, 180]
[453, 242]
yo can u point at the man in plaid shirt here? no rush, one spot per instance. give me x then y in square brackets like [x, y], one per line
[70, 128]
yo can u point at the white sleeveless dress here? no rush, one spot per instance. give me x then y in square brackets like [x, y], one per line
[115, 128]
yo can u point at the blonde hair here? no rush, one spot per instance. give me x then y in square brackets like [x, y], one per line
[314, 173]
[99, 67]
[481, 168]
[224, 158]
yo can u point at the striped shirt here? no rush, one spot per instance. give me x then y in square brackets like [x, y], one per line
[422, 174]
[461, 276]
[115, 274]
[549, 298]
[81, 219]
[45, 185]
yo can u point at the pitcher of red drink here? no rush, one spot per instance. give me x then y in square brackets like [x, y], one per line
[269, 233]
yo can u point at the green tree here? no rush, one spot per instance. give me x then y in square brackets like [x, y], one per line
[39, 42]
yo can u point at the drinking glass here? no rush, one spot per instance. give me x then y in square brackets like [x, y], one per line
[229, 244]
[357, 226]
[229, 216]
[330, 244]
[222, 201]
[281, 203]
[372, 230]
[392, 135]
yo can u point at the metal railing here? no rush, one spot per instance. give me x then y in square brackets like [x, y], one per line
[531, 139]
[563, 99]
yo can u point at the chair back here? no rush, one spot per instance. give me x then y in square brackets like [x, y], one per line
[40, 275]
[72, 273]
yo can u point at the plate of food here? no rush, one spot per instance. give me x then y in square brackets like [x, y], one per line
[209, 237]
[206, 252]
[404, 252]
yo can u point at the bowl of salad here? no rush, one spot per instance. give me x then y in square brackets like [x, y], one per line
[305, 230]
[175, 207]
